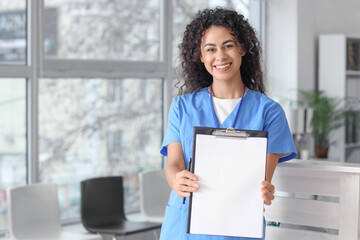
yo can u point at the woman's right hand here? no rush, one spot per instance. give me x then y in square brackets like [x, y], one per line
[180, 180]
[185, 183]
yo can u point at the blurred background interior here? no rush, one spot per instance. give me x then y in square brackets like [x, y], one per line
[85, 85]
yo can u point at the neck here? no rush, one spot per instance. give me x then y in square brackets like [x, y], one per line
[228, 91]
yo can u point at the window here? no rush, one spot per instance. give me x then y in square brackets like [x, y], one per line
[115, 145]
[13, 32]
[13, 46]
[102, 29]
[81, 135]
[12, 139]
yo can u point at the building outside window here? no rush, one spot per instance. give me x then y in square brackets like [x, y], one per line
[114, 145]
[115, 92]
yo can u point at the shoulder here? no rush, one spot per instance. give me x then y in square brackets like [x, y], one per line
[267, 108]
[263, 101]
[190, 98]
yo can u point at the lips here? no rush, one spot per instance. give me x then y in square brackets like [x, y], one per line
[223, 67]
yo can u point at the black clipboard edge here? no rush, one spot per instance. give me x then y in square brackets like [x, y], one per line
[209, 131]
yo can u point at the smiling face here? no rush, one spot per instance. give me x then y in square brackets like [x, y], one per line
[221, 54]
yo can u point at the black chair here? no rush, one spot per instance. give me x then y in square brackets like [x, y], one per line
[102, 208]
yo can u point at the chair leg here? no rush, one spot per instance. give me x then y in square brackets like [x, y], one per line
[118, 237]
[107, 236]
[156, 237]
[112, 237]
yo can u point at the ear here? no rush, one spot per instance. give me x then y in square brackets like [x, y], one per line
[201, 58]
[242, 52]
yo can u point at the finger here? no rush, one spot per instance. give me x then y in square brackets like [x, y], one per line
[182, 194]
[268, 188]
[189, 175]
[268, 185]
[185, 185]
[266, 199]
[187, 189]
[190, 183]
[181, 190]
[267, 195]
[267, 202]
[184, 191]
[181, 180]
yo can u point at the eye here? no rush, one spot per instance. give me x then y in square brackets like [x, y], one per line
[210, 49]
[229, 46]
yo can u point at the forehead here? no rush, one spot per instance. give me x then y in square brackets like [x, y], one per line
[216, 35]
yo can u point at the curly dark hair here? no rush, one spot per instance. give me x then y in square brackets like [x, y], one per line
[194, 72]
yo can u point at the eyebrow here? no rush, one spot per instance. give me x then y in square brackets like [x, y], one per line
[212, 44]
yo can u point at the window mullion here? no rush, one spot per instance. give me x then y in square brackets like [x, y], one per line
[167, 22]
[34, 58]
[166, 44]
[13, 71]
[101, 68]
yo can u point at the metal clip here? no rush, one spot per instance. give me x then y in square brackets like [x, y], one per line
[230, 132]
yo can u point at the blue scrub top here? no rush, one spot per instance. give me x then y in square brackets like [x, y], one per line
[257, 112]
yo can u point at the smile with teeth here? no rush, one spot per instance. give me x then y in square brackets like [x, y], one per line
[223, 66]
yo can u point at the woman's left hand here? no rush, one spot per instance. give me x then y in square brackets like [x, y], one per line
[267, 192]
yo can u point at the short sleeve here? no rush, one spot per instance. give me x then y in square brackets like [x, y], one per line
[172, 133]
[279, 136]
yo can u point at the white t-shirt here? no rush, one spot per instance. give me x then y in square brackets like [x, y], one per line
[223, 107]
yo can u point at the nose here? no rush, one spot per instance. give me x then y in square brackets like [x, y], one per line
[221, 55]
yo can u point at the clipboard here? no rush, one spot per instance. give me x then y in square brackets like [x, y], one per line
[225, 160]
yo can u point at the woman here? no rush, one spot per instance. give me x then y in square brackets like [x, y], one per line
[223, 88]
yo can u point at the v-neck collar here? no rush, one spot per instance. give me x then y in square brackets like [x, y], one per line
[230, 120]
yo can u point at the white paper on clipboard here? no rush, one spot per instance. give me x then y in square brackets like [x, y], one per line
[228, 201]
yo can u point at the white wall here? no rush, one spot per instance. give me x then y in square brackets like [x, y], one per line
[292, 29]
[334, 16]
[281, 46]
[306, 45]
